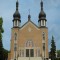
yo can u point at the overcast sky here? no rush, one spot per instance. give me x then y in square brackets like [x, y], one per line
[51, 8]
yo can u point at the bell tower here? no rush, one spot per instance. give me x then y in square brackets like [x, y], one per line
[16, 17]
[42, 17]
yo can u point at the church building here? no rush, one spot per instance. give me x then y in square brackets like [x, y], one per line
[30, 41]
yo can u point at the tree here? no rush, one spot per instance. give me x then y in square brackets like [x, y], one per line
[53, 49]
[5, 52]
[58, 53]
[1, 45]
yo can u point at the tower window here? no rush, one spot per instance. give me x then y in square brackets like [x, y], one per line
[43, 36]
[15, 36]
[15, 23]
[15, 47]
[42, 22]
[43, 46]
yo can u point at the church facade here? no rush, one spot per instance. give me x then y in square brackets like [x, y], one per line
[29, 42]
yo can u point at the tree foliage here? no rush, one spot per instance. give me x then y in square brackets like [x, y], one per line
[5, 54]
[58, 53]
[1, 45]
[1, 25]
[53, 49]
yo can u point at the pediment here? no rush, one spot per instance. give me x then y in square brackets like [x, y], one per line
[30, 25]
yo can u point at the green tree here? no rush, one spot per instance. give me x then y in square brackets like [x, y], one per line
[58, 53]
[1, 45]
[5, 52]
[53, 49]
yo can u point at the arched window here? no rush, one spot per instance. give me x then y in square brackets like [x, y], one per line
[15, 23]
[20, 52]
[15, 47]
[38, 52]
[29, 52]
[44, 46]
[15, 36]
[42, 22]
[43, 36]
[29, 43]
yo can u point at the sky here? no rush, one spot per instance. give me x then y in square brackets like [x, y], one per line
[51, 8]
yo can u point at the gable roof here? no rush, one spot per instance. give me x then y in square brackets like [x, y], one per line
[30, 22]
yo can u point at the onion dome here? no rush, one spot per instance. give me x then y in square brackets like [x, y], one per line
[42, 13]
[16, 14]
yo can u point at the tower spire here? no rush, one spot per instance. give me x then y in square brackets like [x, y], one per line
[42, 13]
[16, 16]
[42, 16]
[17, 5]
[29, 16]
[41, 5]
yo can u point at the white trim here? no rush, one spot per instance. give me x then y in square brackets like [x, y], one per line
[14, 54]
[15, 41]
[12, 59]
[36, 50]
[17, 23]
[14, 23]
[29, 42]
[39, 23]
[43, 41]
[27, 24]
[44, 22]
[45, 49]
